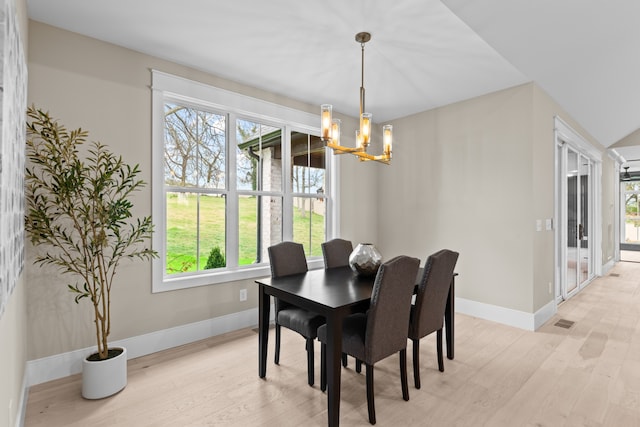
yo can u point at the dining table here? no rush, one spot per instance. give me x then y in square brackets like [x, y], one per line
[333, 293]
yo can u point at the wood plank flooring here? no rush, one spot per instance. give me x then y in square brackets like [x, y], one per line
[586, 375]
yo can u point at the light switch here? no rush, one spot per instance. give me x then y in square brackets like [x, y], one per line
[549, 224]
[538, 225]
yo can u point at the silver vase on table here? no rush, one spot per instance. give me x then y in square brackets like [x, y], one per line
[365, 259]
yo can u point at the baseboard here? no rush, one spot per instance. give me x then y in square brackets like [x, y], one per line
[541, 316]
[506, 316]
[62, 365]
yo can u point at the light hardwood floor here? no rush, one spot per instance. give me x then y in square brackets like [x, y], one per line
[587, 375]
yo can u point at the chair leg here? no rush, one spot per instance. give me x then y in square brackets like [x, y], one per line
[358, 365]
[344, 359]
[277, 355]
[310, 363]
[416, 363]
[370, 401]
[323, 367]
[439, 346]
[403, 374]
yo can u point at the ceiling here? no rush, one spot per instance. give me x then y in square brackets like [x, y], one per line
[423, 53]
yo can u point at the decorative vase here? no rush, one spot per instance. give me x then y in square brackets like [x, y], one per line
[365, 259]
[102, 378]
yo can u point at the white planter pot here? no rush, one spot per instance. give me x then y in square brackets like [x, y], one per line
[104, 378]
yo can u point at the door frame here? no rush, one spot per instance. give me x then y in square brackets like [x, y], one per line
[566, 135]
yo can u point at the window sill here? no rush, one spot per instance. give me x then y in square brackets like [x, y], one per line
[186, 281]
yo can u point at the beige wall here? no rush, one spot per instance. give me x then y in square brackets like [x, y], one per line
[13, 329]
[609, 188]
[632, 139]
[105, 90]
[463, 182]
[480, 173]
[543, 195]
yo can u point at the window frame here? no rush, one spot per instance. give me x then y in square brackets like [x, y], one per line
[170, 88]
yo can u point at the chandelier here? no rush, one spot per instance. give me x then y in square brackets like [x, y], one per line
[330, 128]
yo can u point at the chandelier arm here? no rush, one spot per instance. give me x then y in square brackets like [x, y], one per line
[339, 149]
[364, 157]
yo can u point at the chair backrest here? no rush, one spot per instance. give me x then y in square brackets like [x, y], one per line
[336, 253]
[433, 290]
[287, 258]
[388, 315]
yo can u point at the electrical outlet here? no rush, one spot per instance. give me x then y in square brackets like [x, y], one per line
[243, 294]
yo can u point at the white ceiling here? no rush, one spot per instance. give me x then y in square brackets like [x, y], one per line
[583, 53]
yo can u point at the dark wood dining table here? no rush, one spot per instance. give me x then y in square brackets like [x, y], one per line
[333, 293]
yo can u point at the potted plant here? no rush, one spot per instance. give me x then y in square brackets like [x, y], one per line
[79, 210]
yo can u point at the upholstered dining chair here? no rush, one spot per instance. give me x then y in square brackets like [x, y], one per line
[288, 258]
[382, 330]
[336, 252]
[427, 314]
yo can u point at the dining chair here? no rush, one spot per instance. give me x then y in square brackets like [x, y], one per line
[427, 313]
[288, 258]
[336, 253]
[382, 330]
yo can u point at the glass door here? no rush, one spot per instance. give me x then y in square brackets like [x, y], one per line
[575, 258]
[573, 215]
[584, 231]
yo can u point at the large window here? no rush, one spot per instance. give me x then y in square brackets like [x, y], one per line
[233, 175]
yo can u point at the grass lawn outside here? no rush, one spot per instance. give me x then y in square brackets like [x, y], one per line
[182, 230]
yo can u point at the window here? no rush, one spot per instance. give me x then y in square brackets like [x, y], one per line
[194, 188]
[233, 175]
[307, 186]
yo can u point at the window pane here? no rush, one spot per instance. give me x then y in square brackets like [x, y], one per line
[195, 225]
[260, 223]
[259, 159]
[248, 228]
[307, 163]
[212, 231]
[212, 144]
[194, 154]
[182, 214]
[309, 223]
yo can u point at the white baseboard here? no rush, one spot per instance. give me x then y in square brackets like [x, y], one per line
[62, 365]
[506, 316]
[544, 314]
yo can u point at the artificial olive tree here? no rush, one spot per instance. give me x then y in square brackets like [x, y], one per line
[78, 213]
